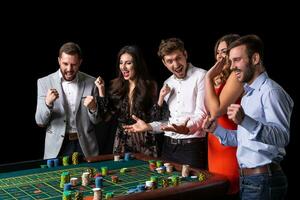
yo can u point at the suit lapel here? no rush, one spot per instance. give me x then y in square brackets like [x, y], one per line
[58, 87]
[81, 85]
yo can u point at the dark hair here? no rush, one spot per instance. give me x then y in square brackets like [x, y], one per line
[169, 45]
[70, 48]
[253, 45]
[145, 90]
[228, 39]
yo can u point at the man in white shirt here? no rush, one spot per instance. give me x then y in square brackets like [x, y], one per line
[184, 94]
[66, 106]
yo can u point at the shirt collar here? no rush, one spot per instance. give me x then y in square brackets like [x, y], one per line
[256, 83]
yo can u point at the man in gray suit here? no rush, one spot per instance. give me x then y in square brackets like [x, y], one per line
[66, 106]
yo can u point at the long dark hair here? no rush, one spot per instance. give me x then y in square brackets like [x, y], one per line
[144, 92]
[228, 39]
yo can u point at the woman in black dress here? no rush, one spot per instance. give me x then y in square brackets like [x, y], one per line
[132, 93]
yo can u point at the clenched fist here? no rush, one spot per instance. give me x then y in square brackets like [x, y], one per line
[100, 85]
[90, 103]
[51, 96]
[163, 92]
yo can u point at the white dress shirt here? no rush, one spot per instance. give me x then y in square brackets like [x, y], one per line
[70, 89]
[186, 99]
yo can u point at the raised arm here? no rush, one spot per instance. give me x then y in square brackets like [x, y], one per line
[233, 89]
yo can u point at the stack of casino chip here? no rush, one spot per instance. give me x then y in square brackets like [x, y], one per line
[109, 195]
[152, 165]
[165, 182]
[50, 163]
[104, 171]
[123, 170]
[154, 179]
[75, 159]
[116, 158]
[185, 170]
[175, 180]
[67, 186]
[78, 195]
[99, 182]
[91, 171]
[74, 181]
[169, 167]
[97, 194]
[85, 178]
[56, 162]
[64, 178]
[114, 178]
[159, 163]
[201, 177]
[65, 161]
[149, 185]
[161, 169]
[127, 156]
[67, 195]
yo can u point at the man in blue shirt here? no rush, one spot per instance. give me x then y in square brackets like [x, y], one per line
[263, 120]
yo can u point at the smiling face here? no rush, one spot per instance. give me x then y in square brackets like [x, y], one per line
[127, 66]
[69, 65]
[176, 62]
[221, 51]
[242, 66]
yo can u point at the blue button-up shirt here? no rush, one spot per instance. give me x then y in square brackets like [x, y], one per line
[264, 131]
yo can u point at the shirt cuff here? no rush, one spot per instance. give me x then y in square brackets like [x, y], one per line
[250, 125]
[220, 132]
[155, 127]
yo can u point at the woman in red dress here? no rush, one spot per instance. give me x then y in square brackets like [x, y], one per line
[222, 89]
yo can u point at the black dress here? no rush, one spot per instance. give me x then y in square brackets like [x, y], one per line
[143, 142]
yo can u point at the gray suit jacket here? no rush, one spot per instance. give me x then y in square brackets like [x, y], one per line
[55, 119]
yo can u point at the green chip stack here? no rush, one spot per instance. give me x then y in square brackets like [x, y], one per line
[109, 195]
[67, 195]
[159, 163]
[64, 178]
[175, 180]
[65, 160]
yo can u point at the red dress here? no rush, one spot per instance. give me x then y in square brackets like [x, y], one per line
[222, 159]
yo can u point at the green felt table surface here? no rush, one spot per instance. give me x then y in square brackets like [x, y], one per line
[44, 183]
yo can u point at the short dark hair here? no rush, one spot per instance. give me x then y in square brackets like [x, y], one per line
[70, 48]
[169, 45]
[253, 44]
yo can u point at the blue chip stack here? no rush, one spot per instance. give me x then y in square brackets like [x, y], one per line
[67, 186]
[99, 182]
[141, 188]
[50, 163]
[127, 156]
[56, 162]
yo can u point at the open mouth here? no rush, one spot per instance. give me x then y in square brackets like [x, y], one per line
[125, 74]
[178, 70]
[69, 75]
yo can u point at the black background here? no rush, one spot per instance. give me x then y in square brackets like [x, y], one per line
[31, 38]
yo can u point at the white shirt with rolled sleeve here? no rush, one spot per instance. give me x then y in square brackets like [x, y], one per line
[186, 99]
